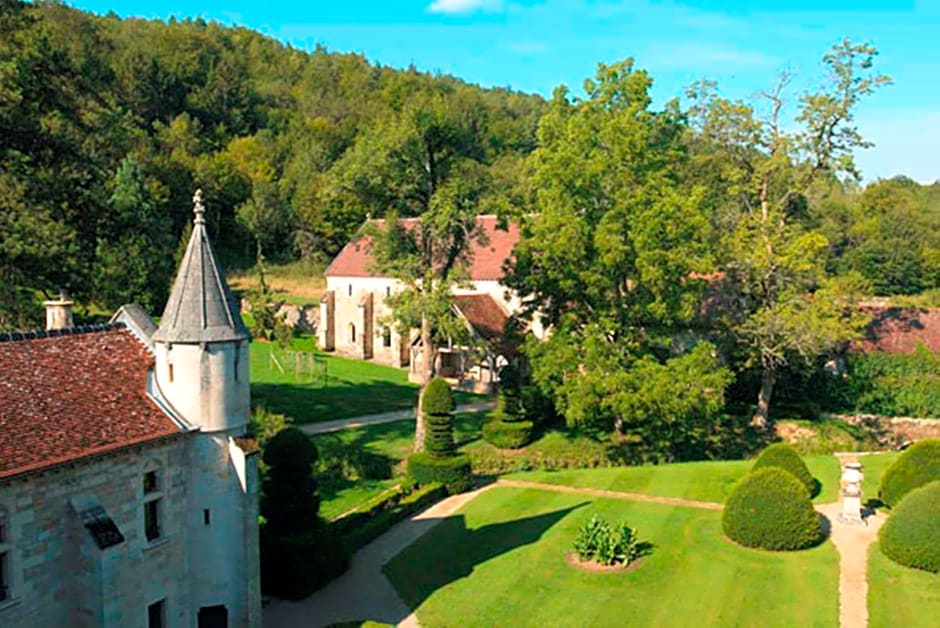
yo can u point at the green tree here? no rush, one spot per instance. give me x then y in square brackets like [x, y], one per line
[133, 254]
[612, 260]
[289, 502]
[792, 309]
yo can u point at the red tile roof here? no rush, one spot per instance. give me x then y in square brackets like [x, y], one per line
[486, 260]
[483, 313]
[71, 396]
[900, 330]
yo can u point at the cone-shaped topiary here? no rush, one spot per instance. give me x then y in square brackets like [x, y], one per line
[289, 499]
[917, 466]
[785, 457]
[911, 535]
[439, 436]
[510, 404]
[438, 398]
[770, 509]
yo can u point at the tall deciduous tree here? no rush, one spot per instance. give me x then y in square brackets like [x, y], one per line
[425, 166]
[792, 310]
[612, 259]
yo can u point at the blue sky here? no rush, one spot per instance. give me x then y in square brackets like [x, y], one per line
[535, 45]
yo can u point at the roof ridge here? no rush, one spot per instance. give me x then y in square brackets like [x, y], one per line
[36, 334]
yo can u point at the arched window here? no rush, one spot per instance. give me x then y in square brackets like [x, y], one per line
[6, 550]
[352, 332]
[152, 485]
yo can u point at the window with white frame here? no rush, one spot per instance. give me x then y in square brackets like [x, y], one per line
[152, 498]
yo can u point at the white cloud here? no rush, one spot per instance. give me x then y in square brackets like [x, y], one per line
[455, 7]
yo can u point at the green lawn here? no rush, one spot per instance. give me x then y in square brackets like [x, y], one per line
[873, 465]
[703, 481]
[901, 596]
[368, 460]
[333, 388]
[501, 562]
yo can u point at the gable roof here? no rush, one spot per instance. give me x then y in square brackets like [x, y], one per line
[66, 397]
[486, 260]
[900, 330]
[200, 307]
[483, 313]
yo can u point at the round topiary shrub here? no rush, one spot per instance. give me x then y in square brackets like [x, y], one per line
[911, 535]
[784, 457]
[506, 434]
[453, 472]
[770, 509]
[438, 399]
[917, 466]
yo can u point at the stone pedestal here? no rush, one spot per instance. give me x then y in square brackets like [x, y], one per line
[852, 493]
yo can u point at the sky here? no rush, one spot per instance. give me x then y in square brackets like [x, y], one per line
[536, 45]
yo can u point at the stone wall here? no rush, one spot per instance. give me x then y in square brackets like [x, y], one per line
[893, 431]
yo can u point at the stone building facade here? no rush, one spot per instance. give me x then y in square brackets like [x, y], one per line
[354, 315]
[128, 495]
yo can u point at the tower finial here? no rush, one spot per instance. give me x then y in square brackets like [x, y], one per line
[198, 208]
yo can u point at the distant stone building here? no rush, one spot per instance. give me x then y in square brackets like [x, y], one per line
[127, 494]
[354, 314]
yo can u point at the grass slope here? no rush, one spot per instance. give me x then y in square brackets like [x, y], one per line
[704, 481]
[501, 561]
[336, 388]
[901, 596]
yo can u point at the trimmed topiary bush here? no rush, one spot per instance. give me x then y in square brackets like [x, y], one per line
[452, 472]
[507, 435]
[785, 457]
[295, 565]
[917, 466]
[510, 394]
[439, 435]
[438, 398]
[770, 509]
[911, 535]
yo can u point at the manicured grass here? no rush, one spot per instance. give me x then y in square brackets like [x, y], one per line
[873, 465]
[901, 596]
[501, 561]
[330, 387]
[702, 481]
[364, 462]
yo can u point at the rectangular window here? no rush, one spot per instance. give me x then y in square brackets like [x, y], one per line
[156, 614]
[205, 516]
[152, 519]
[387, 337]
[350, 289]
[4, 578]
[388, 291]
[170, 366]
[150, 482]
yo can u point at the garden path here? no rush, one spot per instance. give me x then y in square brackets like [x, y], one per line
[382, 417]
[852, 541]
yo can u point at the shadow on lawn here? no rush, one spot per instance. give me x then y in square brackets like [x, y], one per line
[340, 400]
[450, 551]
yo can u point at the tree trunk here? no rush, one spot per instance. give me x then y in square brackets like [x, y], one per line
[426, 364]
[761, 418]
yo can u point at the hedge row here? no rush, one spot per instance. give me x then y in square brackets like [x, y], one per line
[296, 565]
[376, 517]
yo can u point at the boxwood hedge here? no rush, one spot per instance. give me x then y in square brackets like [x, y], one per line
[453, 472]
[770, 509]
[917, 466]
[785, 457]
[506, 434]
[911, 535]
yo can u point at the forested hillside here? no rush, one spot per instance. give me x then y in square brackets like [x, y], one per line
[108, 125]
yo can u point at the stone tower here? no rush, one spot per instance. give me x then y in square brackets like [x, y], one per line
[201, 348]
[201, 344]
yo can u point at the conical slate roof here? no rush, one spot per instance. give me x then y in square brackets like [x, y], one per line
[201, 307]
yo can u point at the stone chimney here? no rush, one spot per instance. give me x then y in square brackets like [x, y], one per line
[59, 312]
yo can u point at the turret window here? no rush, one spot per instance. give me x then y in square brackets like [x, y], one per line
[352, 332]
